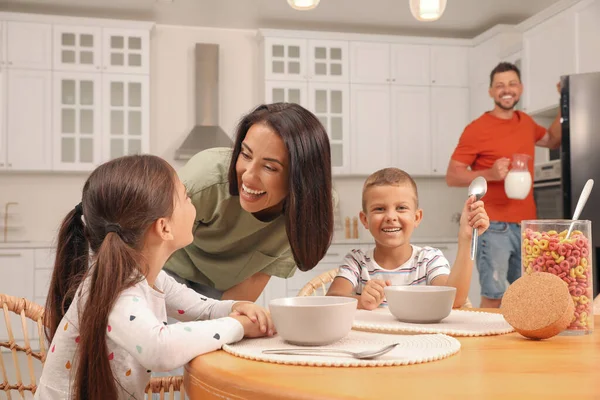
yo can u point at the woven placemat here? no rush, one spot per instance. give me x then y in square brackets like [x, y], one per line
[458, 323]
[412, 349]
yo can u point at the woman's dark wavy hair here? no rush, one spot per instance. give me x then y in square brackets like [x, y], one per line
[121, 199]
[308, 208]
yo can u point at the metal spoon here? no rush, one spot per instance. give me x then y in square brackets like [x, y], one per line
[362, 355]
[477, 188]
[583, 197]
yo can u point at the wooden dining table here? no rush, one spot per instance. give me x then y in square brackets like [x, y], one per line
[489, 367]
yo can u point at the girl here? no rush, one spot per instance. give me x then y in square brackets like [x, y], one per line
[107, 309]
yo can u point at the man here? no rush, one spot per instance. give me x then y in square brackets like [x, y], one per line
[485, 149]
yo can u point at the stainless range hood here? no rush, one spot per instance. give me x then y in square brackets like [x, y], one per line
[206, 133]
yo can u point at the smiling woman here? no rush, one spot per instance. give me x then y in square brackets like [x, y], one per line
[263, 208]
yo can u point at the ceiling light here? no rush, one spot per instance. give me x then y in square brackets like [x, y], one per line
[427, 10]
[303, 5]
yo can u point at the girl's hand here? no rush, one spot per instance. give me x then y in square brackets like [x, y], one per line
[256, 314]
[473, 216]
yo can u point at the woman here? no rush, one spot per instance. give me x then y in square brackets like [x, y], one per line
[263, 208]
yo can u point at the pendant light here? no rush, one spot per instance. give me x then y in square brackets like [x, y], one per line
[427, 10]
[303, 5]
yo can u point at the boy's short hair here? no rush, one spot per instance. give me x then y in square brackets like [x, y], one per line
[389, 177]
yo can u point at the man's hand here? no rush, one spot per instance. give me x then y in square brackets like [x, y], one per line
[499, 170]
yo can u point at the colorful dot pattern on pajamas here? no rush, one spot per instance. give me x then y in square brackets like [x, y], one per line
[570, 260]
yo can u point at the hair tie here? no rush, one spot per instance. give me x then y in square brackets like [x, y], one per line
[112, 227]
[79, 209]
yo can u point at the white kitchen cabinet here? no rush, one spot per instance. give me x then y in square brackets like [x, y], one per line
[409, 64]
[77, 48]
[95, 48]
[126, 51]
[125, 112]
[449, 66]
[77, 121]
[330, 102]
[28, 120]
[449, 117]
[369, 62]
[285, 59]
[587, 15]
[16, 270]
[328, 61]
[28, 45]
[370, 126]
[3, 152]
[292, 59]
[286, 91]
[549, 52]
[410, 133]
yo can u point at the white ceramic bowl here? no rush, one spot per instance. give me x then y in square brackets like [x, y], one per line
[420, 304]
[313, 320]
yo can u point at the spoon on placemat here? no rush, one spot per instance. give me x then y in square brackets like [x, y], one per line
[583, 197]
[362, 355]
[477, 188]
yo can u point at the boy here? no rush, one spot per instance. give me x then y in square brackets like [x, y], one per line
[391, 213]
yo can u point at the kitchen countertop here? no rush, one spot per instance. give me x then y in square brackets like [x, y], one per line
[25, 245]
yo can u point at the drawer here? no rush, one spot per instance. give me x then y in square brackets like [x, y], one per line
[42, 279]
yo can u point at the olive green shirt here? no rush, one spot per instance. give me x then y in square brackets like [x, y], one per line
[230, 244]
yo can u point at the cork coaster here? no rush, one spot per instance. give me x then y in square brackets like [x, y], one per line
[538, 305]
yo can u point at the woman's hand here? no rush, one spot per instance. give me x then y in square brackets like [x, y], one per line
[473, 216]
[256, 314]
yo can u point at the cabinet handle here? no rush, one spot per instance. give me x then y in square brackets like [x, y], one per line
[1, 164]
[433, 81]
[10, 63]
[394, 80]
[333, 254]
[10, 254]
[9, 164]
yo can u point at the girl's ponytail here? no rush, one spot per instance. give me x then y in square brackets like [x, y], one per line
[72, 254]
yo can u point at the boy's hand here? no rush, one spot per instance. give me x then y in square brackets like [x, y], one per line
[372, 294]
[256, 314]
[473, 216]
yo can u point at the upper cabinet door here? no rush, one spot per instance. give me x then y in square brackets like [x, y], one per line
[450, 66]
[28, 45]
[330, 102]
[449, 117]
[410, 65]
[126, 115]
[286, 92]
[549, 53]
[328, 61]
[77, 48]
[285, 59]
[588, 32]
[2, 119]
[370, 123]
[77, 121]
[126, 51]
[28, 133]
[370, 62]
[410, 134]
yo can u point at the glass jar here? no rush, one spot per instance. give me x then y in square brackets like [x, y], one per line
[517, 182]
[545, 248]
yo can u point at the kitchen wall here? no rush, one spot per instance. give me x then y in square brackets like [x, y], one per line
[45, 198]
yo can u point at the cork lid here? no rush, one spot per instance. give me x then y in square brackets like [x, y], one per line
[538, 305]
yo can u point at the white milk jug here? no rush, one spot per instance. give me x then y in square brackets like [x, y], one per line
[517, 183]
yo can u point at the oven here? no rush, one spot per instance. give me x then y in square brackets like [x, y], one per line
[548, 190]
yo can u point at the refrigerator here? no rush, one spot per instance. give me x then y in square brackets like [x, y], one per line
[580, 151]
